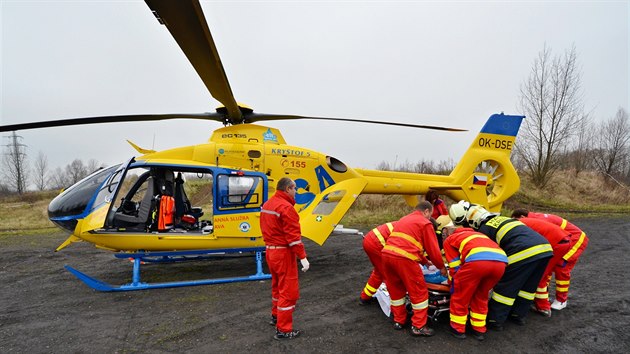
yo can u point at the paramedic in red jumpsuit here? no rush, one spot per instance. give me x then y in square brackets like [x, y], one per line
[439, 207]
[560, 243]
[475, 266]
[562, 271]
[373, 243]
[280, 225]
[412, 235]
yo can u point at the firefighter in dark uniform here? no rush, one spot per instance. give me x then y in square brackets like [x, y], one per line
[528, 254]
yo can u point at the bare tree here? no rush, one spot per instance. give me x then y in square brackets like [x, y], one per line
[92, 166]
[581, 155]
[15, 166]
[612, 144]
[4, 190]
[551, 100]
[59, 179]
[40, 171]
[384, 166]
[75, 171]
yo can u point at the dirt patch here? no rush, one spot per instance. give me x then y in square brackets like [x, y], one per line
[43, 308]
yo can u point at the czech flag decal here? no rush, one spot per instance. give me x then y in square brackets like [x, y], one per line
[480, 180]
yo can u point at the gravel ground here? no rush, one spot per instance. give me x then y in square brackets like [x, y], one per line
[44, 309]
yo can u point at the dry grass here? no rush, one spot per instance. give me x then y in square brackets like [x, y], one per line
[375, 209]
[568, 193]
[26, 214]
[586, 193]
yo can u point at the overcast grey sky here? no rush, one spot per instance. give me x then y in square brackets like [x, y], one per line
[451, 63]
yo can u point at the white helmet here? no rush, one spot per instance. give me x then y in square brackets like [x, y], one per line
[476, 215]
[457, 213]
[465, 204]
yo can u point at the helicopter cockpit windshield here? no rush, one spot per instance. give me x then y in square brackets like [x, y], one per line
[76, 202]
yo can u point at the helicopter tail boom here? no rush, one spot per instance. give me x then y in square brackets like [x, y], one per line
[485, 175]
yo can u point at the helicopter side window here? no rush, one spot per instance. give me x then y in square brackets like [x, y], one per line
[328, 204]
[238, 192]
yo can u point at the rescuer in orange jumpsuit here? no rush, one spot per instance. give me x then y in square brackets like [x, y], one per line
[373, 243]
[475, 266]
[280, 225]
[411, 236]
[560, 243]
[439, 207]
[578, 242]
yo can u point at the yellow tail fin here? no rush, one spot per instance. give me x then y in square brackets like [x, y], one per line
[485, 173]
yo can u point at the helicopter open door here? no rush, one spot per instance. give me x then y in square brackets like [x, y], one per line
[320, 217]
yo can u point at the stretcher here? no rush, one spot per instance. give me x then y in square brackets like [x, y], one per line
[439, 300]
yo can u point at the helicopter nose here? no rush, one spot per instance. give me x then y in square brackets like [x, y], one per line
[66, 225]
[64, 210]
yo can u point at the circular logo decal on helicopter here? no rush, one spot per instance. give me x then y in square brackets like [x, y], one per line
[244, 226]
[221, 151]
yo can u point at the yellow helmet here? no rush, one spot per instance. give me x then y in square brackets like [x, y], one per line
[443, 221]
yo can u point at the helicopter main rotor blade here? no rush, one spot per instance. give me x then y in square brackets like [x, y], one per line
[111, 119]
[249, 117]
[257, 117]
[187, 24]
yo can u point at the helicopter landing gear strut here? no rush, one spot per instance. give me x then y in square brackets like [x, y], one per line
[140, 258]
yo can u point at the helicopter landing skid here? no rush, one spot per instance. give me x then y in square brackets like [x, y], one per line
[139, 257]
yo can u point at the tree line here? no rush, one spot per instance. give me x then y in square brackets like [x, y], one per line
[19, 176]
[559, 133]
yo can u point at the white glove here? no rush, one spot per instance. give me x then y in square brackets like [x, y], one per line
[305, 264]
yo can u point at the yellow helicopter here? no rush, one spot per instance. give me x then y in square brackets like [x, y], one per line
[141, 208]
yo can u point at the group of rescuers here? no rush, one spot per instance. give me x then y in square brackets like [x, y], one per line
[498, 267]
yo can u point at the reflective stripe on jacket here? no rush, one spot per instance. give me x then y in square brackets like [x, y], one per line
[412, 235]
[382, 232]
[467, 245]
[520, 243]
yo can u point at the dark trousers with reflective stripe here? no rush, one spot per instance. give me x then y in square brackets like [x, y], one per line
[517, 277]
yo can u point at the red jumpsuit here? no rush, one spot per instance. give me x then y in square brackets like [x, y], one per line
[560, 243]
[439, 208]
[411, 236]
[373, 243]
[280, 225]
[579, 241]
[476, 264]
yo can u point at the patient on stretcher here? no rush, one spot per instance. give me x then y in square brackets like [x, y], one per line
[439, 293]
